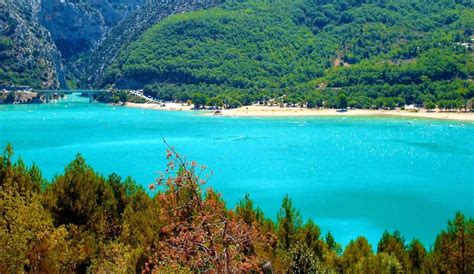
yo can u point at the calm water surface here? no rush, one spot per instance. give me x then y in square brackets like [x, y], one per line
[353, 176]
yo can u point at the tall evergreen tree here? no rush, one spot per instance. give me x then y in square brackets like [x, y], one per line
[288, 222]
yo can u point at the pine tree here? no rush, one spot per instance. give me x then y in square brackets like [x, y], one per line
[289, 222]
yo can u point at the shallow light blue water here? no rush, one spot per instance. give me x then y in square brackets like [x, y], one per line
[353, 176]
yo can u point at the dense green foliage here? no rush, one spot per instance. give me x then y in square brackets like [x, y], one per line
[82, 221]
[239, 46]
[379, 53]
[234, 50]
[118, 96]
[438, 76]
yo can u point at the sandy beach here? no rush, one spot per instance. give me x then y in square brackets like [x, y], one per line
[165, 106]
[265, 111]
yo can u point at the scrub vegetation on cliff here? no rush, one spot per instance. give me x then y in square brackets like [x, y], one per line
[28, 55]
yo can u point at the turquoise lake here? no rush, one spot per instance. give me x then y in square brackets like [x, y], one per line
[353, 176]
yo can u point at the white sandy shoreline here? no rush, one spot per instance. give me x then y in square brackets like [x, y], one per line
[165, 106]
[265, 111]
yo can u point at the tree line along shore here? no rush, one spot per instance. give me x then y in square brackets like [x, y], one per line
[281, 107]
[271, 108]
[82, 221]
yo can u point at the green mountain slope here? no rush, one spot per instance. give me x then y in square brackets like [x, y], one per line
[239, 45]
[89, 68]
[254, 50]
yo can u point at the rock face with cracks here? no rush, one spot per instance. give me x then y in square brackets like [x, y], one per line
[27, 53]
[77, 25]
[43, 41]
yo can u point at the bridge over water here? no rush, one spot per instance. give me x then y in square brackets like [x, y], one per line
[49, 92]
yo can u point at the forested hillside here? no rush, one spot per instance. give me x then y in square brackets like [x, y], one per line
[377, 53]
[374, 53]
[84, 222]
[89, 68]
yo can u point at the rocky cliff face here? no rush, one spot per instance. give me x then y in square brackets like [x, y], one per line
[28, 55]
[39, 36]
[77, 25]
